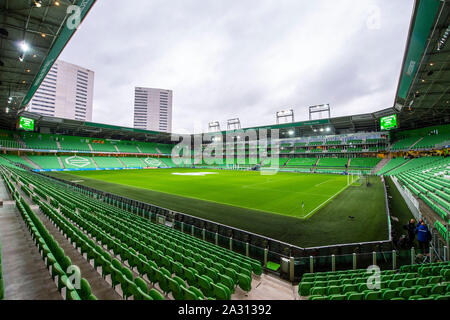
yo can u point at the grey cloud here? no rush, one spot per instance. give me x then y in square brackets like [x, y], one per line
[227, 59]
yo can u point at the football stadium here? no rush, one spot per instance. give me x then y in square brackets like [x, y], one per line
[309, 210]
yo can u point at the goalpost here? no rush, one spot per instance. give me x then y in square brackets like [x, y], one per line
[353, 178]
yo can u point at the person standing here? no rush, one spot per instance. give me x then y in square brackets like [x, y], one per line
[423, 236]
[411, 228]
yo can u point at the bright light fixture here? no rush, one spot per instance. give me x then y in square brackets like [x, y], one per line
[24, 46]
[291, 132]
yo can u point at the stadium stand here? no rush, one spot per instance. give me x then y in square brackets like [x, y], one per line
[39, 141]
[18, 159]
[410, 282]
[364, 163]
[108, 162]
[46, 162]
[413, 164]
[306, 163]
[164, 148]
[126, 147]
[56, 260]
[332, 162]
[74, 143]
[78, 162]
[430, 142]
[392, 164]
[131, 162]
[100, 145]
[181, 264]
[405, 144]
[333, 142]
[425, 180]
[146, 147]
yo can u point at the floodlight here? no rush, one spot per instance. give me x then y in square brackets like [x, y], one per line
[24, 46]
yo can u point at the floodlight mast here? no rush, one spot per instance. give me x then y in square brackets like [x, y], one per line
[286, 115]
[319, 109]
[214, 126]
[234, 124]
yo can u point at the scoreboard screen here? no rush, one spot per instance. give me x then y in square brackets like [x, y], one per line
[26, 124]
[389, 123]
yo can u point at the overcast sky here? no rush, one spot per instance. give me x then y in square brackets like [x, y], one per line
[242, 58]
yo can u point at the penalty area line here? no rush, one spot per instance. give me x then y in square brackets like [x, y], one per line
[324, 203]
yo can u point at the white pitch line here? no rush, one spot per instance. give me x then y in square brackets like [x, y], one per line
[322, 183]
[323, 203]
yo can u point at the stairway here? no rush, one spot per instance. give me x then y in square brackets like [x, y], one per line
[59, 145]
[381, 165]
[32, 164]
[61, 163]
[90, 147]
[93, 161]
[117, 149]
[140, 151]
[100, 288]
[123, 164]
[412, 146]
[24, 272]
[397, 167]
[315, 165]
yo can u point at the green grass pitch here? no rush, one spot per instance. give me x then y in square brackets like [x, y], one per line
[267, 205]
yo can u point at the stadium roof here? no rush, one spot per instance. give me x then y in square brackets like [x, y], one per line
[423, 94]
[91, 129]
[45, 33]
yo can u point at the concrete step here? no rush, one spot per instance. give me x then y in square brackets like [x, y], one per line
[24, 272]
[100, 288]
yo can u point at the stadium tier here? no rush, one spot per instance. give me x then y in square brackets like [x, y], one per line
[108, 162]
[405, 144]
[180, 264]
[46, 162]
[413, 164]
[18, 159]
[364, 163]
[432, 141]
[130, 162]
[411, 282]
[392, 164]
[77, 162]
[425, 178]
[332, 162]
[69, 143]
[39, 141]
[302, 162]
